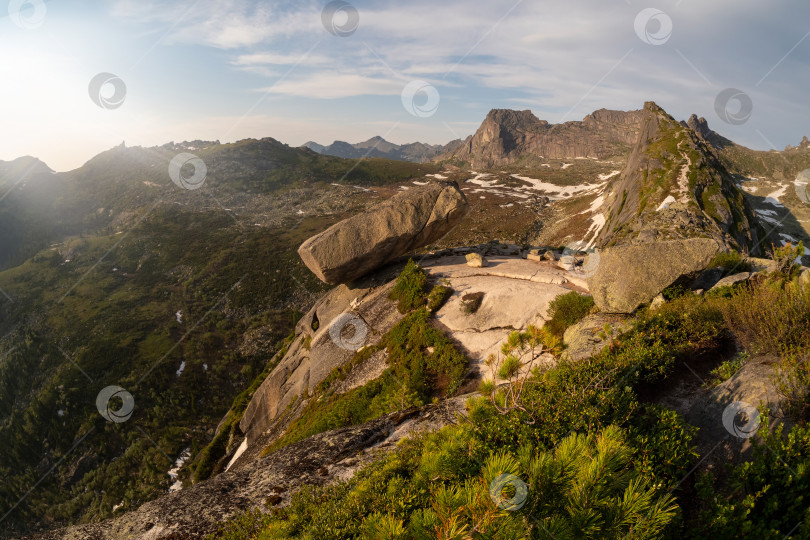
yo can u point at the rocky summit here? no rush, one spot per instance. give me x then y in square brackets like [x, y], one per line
[506, 136]
[409, 220]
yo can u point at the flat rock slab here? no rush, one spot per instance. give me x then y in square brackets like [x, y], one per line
[508, 267]
[517, 293]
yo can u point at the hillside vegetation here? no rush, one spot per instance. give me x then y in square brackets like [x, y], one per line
[589, 455]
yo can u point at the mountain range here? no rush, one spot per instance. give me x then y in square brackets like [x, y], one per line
[377, 147]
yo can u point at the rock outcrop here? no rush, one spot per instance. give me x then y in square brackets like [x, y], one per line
[518, 293]
[751, 386]
[674, 186]
[701, 127]
[407, 221]
[631, 275]
[339, 324]
[507, 135]
[671, 210]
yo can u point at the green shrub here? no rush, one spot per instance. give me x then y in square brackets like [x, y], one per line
[438, 296]
[769, 315]
[470, 302]
[415, 376]
[786, 256]
[767, 497]
[435, 486]
[247, 525]
[732, 262]
[793, 383]
[409, 290]
[675, 291]
[727, 369]
[566, 310]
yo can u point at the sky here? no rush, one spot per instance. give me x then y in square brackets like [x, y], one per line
[79, 77]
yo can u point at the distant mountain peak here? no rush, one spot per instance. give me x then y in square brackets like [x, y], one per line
[701, 127]
[378, 147]
[506, 135]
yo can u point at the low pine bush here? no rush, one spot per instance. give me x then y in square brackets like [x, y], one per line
[410, 288]
[566, 310]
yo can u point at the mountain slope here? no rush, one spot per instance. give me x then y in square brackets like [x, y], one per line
[674, 186]
[180, 297]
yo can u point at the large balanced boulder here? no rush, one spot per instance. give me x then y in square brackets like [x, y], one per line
[405, 222]
[633, 274]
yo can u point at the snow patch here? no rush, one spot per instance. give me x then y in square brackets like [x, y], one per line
[175, 471]
[607, 176]
[773, 198]
[239, 452]
[181, 368]
[179, 316]
[787, 239]
[665, 204]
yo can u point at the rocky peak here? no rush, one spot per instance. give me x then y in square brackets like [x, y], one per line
[701, 127]
[674, 187]
[506, 135]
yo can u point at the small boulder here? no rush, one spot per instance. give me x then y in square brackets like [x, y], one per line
[534, 257]
[804, 277]
[551, 256]
[657, 302]
[732, 280]
[633, 274]
[407, 221]
[475, 260]
[762, 265]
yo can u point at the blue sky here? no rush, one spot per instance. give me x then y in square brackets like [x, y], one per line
[232, 69]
